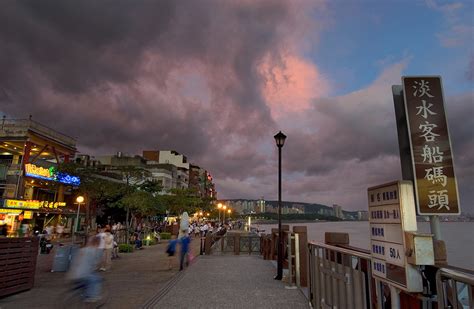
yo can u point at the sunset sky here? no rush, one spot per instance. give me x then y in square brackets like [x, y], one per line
[215, 80]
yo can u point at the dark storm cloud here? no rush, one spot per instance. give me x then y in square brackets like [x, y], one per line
[103, 71]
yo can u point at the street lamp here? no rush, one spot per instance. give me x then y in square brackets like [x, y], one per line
[280, 141]
[79, 200]
[219, 206]
[223, 218]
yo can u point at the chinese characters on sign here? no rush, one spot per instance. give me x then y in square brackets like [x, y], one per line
[391, 213]
[32, 204]
[435, 182]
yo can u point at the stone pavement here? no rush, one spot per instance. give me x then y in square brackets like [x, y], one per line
[222, 281]
[133, 279]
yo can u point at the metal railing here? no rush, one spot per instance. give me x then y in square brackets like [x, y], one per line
[236, 243]
[339, 278]
[455, 288]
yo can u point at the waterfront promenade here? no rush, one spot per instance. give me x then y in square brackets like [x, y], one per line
[142, 280]
[228, 282]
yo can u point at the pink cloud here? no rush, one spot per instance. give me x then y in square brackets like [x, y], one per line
[291, 85]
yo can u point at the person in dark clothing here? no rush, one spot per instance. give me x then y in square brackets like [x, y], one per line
[185, 240]
[171, 249]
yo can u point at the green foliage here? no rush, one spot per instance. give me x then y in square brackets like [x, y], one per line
[139, 202]
[123, 187]
[165, 235]
[126, 248]
[151, 186]
[180, 200]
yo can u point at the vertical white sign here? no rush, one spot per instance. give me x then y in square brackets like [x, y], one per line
[391, 214]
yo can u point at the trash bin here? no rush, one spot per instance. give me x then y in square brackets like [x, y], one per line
[62, 258]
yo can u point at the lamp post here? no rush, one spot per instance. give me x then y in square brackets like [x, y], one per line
[219, 207]
[79, 200]
[280, 141]
[223, 218]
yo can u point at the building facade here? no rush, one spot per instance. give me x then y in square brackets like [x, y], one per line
[33, 192]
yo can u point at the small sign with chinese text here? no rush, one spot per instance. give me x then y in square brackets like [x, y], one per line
[391, 214]
[433, 168]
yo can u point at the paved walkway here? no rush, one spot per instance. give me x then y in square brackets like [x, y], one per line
[133, 279]
[227, 282]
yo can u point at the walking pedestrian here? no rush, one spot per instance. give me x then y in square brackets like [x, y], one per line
[108, 246]
[83, 270]
[171, 250]
[184, 241]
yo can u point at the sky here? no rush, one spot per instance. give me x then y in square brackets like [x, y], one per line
[215, 80]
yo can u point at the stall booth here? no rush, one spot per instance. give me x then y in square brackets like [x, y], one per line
[21, 217]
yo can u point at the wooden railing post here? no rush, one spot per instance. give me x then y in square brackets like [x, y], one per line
[237, 244]
[302, 232]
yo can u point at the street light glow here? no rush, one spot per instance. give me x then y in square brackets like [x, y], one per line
[80, 199]
[219, 205]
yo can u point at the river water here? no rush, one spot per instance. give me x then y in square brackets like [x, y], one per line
[458, 237]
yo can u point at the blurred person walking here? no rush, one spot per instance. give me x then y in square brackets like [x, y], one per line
[184, 241]
[83, 270]
[171, 250]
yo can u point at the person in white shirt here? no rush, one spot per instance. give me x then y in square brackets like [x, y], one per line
[108, 245]
[204, 229]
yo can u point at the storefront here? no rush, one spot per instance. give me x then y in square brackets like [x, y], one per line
[21, 217]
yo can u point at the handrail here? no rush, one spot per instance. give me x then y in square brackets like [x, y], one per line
[457, 275]
[342, 250]
[335, 280]
[447, 284]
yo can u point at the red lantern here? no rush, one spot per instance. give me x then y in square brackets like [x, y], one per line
[20, 217]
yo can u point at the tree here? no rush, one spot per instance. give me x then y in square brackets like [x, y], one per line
[180, 200]
[99, 191]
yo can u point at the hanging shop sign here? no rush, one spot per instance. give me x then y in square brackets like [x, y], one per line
[391, 214]
[21, 204]
[10, 211]
[432, 159]
[32, 170]
[32, 204]
[27, 214]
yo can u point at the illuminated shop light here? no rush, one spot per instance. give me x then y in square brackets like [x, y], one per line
[35, 171]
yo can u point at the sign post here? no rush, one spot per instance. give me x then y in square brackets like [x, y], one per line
[425, 147]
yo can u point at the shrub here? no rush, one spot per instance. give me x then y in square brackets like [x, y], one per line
[125, 248]
[165, 235]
